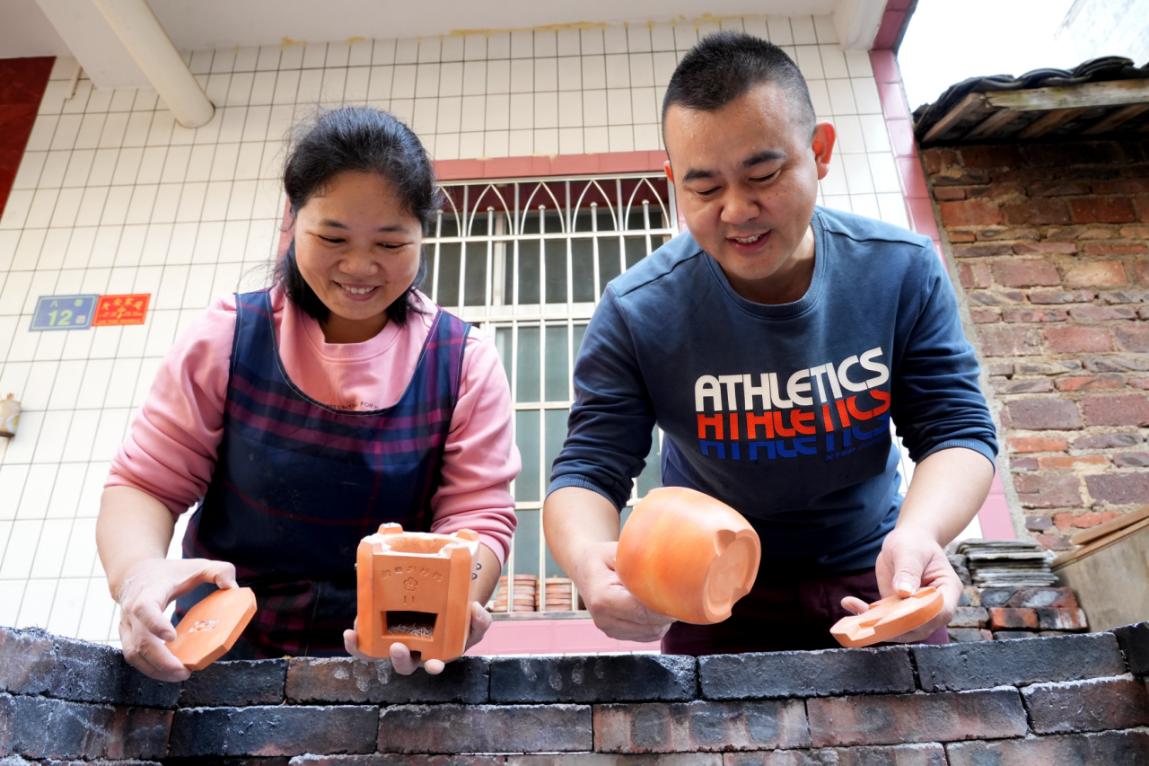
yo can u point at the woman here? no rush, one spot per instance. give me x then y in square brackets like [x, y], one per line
[302, 416]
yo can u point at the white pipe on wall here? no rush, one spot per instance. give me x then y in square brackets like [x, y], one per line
[152, 50]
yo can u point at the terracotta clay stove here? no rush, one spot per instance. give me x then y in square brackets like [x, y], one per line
[687, 555]
[414, 588]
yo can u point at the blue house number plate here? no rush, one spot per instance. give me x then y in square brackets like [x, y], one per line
[64, 312]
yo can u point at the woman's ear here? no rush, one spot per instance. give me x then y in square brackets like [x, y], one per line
[669, 172]
[823, 147]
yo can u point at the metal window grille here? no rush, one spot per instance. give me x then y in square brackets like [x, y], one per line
[527, 260]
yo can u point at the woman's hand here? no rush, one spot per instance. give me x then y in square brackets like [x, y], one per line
[407, 662]
[146, 590]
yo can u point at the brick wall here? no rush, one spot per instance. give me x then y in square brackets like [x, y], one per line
[1051, 245]
[1064, 700]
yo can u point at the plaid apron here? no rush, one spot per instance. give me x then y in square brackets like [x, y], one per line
[297, 484]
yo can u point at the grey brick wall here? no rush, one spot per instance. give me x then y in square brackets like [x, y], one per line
[1068, 699]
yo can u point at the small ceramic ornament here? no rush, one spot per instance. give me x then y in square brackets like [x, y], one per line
[685, 554]
[212, 626]
[888, 618]
[9, 416]
[414, 588]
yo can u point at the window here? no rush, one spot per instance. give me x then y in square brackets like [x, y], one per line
[527, 261]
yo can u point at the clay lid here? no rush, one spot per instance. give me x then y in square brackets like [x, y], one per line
[887, 619]
[211, 627]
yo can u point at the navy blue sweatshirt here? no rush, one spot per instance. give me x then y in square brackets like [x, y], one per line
[781, 411]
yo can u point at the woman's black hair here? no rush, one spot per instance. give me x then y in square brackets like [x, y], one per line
[361, 139]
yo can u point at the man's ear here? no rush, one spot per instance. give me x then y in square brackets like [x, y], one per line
[669, 172]
[823, 146]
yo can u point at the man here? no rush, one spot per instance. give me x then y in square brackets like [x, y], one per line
[772, 344]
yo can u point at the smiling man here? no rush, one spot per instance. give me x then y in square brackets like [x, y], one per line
[772, 344]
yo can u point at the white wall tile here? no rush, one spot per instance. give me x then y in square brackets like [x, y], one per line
[594, 109]
[866, 96]
[475, 47]
[452, 48]
[498, 45]
[28, 174]
[8, 244]
[13, 477]
[11, 591]
[802, 28]
[29, 245]
[54, 169]
[338, 54]
[37, 603]
[824, 29]
[53, 436]
[841, 97]
[80, 550]
[98, 620]
[51, 549]
[615, 39]
[67, 604]
[545, 43]
[596, 140]
[858, 176]
[21, 549]
[618, 108]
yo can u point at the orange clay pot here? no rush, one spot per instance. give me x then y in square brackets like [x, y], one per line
[212, 626]
[887, 619]
[414, 588]
[687, 555]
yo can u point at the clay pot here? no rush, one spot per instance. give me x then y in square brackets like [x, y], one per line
[414, 588]
[684, 554]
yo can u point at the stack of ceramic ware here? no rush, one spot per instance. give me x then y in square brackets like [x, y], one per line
[524, 595]
[523, 599]
[558, 594]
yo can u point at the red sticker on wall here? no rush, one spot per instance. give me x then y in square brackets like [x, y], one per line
[121, 309]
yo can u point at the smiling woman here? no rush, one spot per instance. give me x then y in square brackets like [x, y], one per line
[356, 267]
[303, 416]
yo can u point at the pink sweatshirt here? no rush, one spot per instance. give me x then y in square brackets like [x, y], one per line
[170, 452]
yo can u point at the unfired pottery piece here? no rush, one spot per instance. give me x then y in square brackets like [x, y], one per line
[687, 555]
[414, 588]
[887, 619]
[212, 626]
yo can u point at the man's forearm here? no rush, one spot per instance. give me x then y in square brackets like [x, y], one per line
[574, 518]
[946, 491]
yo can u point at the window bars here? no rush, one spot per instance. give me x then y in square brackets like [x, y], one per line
[526, 260]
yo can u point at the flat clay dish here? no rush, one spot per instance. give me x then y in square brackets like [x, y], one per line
[887, 619]
[212, 626]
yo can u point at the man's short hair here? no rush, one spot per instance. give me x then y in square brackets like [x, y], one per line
[725, 65]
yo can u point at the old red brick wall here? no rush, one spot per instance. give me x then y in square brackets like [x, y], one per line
[1051, 244]
[1075, 699]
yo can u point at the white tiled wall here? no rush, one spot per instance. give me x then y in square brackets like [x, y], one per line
[114, 197]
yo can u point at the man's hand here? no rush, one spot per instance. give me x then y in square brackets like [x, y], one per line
[148, 587]
[912, 559]
[615, 610]
[407, 662]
